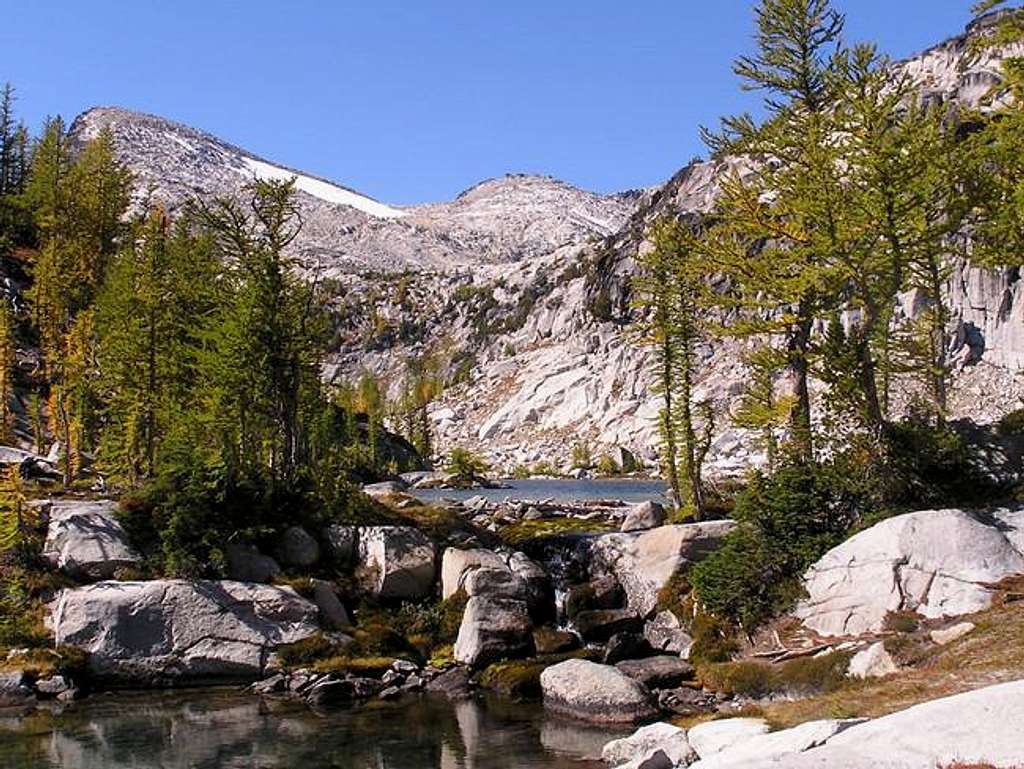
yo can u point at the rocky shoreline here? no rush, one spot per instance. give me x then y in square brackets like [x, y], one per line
[563, 603]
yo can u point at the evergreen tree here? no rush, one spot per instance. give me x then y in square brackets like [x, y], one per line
[776, 230]
[156, 288]
[999, 153]
[9, 162]
[8, 350]
[762, 409]
[18, 521]
[422, 387]
[904, 182]
[670, 293]
[78, 207]
[264, 345]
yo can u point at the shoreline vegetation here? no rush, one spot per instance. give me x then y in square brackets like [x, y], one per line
[210, 508]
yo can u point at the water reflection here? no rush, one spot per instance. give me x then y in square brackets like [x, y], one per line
[227, 730]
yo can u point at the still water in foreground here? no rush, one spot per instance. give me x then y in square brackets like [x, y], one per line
[221, 729]
[559, 490]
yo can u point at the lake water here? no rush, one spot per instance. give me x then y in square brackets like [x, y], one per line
[221, 729]
[560, 490]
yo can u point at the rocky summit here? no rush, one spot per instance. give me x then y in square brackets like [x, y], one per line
[526, 282]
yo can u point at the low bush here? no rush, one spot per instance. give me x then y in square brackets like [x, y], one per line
[608, 467]
[740, 679]
[465, 465]
[799, 677]
[521, 532]
[714, 639]
[1012, 425]
[786, 521]
[902, 621]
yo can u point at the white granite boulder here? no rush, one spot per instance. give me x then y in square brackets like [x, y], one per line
[939, 563]
[396, 562]
[165, 631]
[85, 540]
[593, 692]
[644, 562]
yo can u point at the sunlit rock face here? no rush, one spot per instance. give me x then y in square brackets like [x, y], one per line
[522, 288]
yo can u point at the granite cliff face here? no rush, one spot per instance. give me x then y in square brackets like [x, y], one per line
[521, 287]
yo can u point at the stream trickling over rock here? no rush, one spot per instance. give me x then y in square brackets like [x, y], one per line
[223, 729]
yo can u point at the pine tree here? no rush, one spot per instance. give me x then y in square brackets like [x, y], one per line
[422, 387]
[264, 346]
[8, 143]
[904, 181]
[999, 147]
[670, 295]
[18, 521]
[761, 409]
[776, 228]
[155, 289]
[8, 350]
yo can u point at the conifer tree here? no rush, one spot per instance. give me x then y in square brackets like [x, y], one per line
[670, 294]
[776, 228]
[904, 182]
[999, 154]
[8, 142]
[17, 520]
[263, 348]
[8, 349]
[156, 288]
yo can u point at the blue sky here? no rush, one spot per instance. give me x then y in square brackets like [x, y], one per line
[415, 100]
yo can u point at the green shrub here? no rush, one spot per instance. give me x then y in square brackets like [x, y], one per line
[813, 675]
[926, 465]
[800, 677]
[714, 639]
[608, 466]
[581, 456]
[1012, 425]
[902, 621]
[466, 465]
[742, 679]
[544, 468]
[785, 523]
[308, 651]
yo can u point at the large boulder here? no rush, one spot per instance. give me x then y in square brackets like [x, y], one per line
[665, 633]
[658, 736]
[775, 746]
[457, 564]
[332, 612]
[980, 728]
[385, 489]
[247, 564]
[938, 563]
[297, 548]
[493, 629]
[872, 662]
[15, 690]
[85, 540]
[601, 624]
[396, 562]
[713, 737]
[660, 672]
[644, 516]
[540, 595]
[644, 562]
[169, 630]
[593, 692]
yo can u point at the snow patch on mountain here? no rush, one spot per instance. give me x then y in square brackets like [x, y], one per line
[326, 191]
